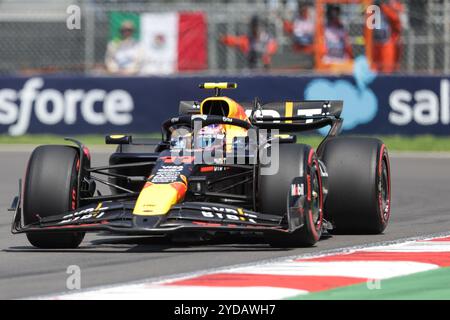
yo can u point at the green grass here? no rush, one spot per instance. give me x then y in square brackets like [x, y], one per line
[401, 143]
[56, 139]
[434, 285]
[417, 143]
[394, 143]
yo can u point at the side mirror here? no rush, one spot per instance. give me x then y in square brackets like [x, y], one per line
[118, 139]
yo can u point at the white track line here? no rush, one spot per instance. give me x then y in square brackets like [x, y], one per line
[417, 246]
[160, 292]
[157, 288]
[355, 269]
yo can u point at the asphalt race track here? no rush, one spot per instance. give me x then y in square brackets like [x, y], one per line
[420, 199]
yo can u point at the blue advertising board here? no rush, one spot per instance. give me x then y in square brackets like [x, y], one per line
[88, 105]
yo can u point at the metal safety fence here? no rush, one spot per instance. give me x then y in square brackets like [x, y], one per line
[35, 38]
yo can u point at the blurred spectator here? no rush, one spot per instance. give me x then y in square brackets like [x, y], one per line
[336, 53]
[302, 29]
[337, 44]
[124, 56]
[386, 39]
[259, 46]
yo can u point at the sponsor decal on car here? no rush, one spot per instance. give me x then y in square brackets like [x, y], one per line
[94, 212]
[167, 174]
[297, 189]
[227, 213]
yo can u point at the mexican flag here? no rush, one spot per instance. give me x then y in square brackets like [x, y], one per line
[172, 42]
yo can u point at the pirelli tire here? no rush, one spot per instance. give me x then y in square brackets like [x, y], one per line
[50, 188]
[296, 187]
[359, 196]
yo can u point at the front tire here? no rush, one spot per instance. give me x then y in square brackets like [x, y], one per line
[51, 188]
[297, 187]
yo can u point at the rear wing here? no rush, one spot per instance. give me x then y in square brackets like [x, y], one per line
[289, 116]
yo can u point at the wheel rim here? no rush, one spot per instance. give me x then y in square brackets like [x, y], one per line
[315, 200]
[384, 190]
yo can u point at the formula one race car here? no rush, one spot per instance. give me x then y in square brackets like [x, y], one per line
[221, 167]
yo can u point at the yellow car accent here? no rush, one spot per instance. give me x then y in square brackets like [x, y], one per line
[288, 112]
[282, 136]
[235, 110]
[156, 199]
[218, 85]
[241, 213]
[96, 212]
[117, 136]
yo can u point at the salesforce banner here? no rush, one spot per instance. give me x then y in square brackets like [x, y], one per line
[89, 105]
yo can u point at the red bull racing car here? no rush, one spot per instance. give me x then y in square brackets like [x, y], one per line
[221, 166]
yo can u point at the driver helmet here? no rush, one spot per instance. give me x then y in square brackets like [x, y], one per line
[212, 136]
[181, 139]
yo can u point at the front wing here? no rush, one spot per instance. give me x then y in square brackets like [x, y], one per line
[117, 217]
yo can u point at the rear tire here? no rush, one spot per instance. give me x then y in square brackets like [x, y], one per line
[51, 188]
[298, 167]
[359, 197]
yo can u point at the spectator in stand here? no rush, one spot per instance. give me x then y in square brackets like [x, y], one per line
[302, 29]
[386, 39]
[259, 46]
[337, 44]
[336, 52]
[124, 56]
